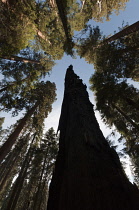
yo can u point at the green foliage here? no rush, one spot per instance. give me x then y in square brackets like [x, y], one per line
[119, 56]
[117, 102]
[21, 78]
[38, 172]
[16, 28]
[87, 47]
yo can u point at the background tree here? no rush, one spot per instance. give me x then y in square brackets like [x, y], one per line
[111, 105]
[36, 166]
[37, 102]
[118, 54]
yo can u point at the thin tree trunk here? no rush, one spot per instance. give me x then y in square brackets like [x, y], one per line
[42, 193]
[19, 182]
[5, 164]
[126, 117]
[17, 58]
[130, 29]
[35, 206]
[42, 36]
[3, 89]
[83, 3]
[12, 138]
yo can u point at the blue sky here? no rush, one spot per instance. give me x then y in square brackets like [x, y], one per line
[82, 68]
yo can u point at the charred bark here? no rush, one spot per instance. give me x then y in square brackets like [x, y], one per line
[88, 174]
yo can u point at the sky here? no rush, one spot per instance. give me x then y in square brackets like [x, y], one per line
[83, 69]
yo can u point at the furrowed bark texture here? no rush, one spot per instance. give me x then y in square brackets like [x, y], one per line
[88, 174]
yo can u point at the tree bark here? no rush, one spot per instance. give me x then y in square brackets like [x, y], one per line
[126, 117]
[19, 182]
[12, 138]
[42, 36]
[88, 174]
[83, 3]
[7, 174]
[35, 206]
[63, 18]
[12, 161]
[130, 29]
[17, 58]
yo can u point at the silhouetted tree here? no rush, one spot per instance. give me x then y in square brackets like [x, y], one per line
[88, 173]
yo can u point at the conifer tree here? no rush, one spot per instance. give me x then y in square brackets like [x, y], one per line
[111, 104]
[35, 164]
[112, 109]
[38, 103]
[118, 53]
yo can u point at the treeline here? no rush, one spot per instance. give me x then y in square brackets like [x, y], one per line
[27, 170]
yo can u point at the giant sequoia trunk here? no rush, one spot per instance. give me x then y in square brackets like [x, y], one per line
[88, 174]
[6, 147]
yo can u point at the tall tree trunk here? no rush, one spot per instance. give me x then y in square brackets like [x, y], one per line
[7, 174]
[19, 182]
[5, 165]
[12, 138]
[35, 206]
[88, 174]
[12, 161]
[63, 18]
